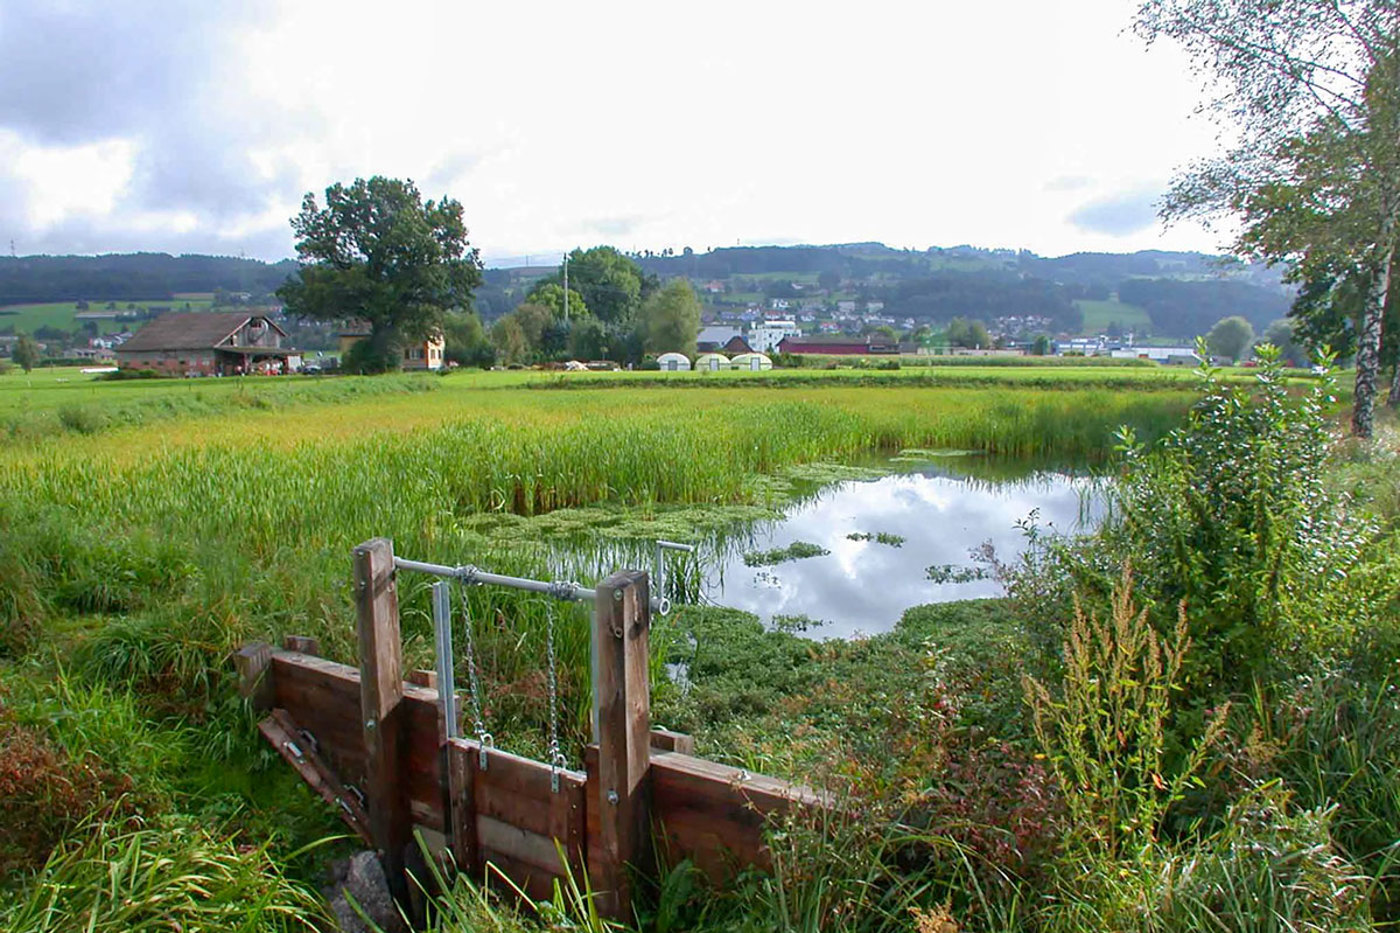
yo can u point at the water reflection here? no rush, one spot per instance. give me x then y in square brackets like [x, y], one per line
[943, 511]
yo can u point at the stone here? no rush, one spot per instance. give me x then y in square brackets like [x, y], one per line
[362, 877]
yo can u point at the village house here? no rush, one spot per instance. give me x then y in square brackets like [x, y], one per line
[429, 354]
[209, 343]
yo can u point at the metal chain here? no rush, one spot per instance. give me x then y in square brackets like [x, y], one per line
[557, 760]
[474, 682]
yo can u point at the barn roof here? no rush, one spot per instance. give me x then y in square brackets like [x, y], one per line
[190, 330]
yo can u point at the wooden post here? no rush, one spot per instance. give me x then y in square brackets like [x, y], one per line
[382, 708]
[303, 644]
[623, 621]
[254, 665]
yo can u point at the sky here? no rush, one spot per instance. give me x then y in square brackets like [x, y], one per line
[197, 127]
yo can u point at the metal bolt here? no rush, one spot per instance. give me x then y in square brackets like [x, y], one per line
[617, 596]
[371, 723]
[612, 797]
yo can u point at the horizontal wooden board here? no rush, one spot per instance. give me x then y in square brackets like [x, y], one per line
[324, 698]
[519, 844]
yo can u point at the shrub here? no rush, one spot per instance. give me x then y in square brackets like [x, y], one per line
[45, 793]
[1229, 514]
[1105, 733]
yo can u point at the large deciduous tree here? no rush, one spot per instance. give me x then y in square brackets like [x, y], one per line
[1309, 91]
[1230, 337]
[609, 282]
[377, 253]
[671, 319]
[26, 353]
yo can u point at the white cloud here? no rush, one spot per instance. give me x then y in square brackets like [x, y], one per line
[561, 124]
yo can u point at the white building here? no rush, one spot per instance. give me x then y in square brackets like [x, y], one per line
[765, 337]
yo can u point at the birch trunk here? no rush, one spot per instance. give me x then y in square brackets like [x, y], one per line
[1368, 344]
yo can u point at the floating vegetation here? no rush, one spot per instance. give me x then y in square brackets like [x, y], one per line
[953, 573]
[879, 537]
[794, 551]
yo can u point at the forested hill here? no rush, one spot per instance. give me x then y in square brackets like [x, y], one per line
[1167, 294]
[132, 277]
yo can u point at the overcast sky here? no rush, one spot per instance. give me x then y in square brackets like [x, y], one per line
[196, 126]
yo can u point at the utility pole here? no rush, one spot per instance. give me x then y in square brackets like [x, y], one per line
[566, 288]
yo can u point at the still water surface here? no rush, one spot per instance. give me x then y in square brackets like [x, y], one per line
[944, 510]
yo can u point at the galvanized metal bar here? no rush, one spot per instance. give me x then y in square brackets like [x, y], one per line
[569, 592]
[659, 571]
[559, 589]
[442, 632]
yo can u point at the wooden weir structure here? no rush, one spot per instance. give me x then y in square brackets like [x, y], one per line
[378, 748]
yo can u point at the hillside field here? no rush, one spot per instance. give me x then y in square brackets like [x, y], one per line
[27, 318]
[1099, 314]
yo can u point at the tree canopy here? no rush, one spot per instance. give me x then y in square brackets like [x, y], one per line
[610, 283]
[1310, 91]
[671, 319]
[377, 253]
[26, 353]
[1230, 337]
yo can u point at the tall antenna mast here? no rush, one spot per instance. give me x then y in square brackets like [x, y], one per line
[566, 287]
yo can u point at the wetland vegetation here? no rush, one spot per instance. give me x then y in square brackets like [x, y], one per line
[1255, 762]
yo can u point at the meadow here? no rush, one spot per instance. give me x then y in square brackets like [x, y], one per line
[1099, 314]
[27, 318]
[145, 539]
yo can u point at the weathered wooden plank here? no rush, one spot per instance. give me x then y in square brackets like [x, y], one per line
[285, 735]
[381, 707]
[303, 644]
[700, 776]
[422, 678]
[668, 741]
[715, 814]
[461, 809]
[519, 844]
[537, 884]
[622, 623]
[323, 696]
[253, 663]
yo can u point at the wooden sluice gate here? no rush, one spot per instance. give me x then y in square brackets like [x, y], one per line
[380, 749]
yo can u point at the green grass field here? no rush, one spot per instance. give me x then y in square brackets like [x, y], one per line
[30, 317]
[1099, 314]
[150, 528]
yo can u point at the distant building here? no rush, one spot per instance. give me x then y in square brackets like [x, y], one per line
[825, 346]
[714, 337]
[429, 354]
[208, 343]
[736, 345]
[765, 337]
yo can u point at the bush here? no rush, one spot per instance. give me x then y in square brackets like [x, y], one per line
[45, 793]
[1229, 514]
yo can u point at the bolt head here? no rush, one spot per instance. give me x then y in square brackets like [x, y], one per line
[612, 797]
[371, 723]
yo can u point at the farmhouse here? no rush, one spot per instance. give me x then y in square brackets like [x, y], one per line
[424, 354]
[208, 343]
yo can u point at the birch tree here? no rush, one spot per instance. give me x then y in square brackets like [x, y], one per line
[1307, 95]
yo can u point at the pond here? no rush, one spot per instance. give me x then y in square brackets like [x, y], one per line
[894, 542]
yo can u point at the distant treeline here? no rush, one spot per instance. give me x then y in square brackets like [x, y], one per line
[132, 277]
[1183, 293]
